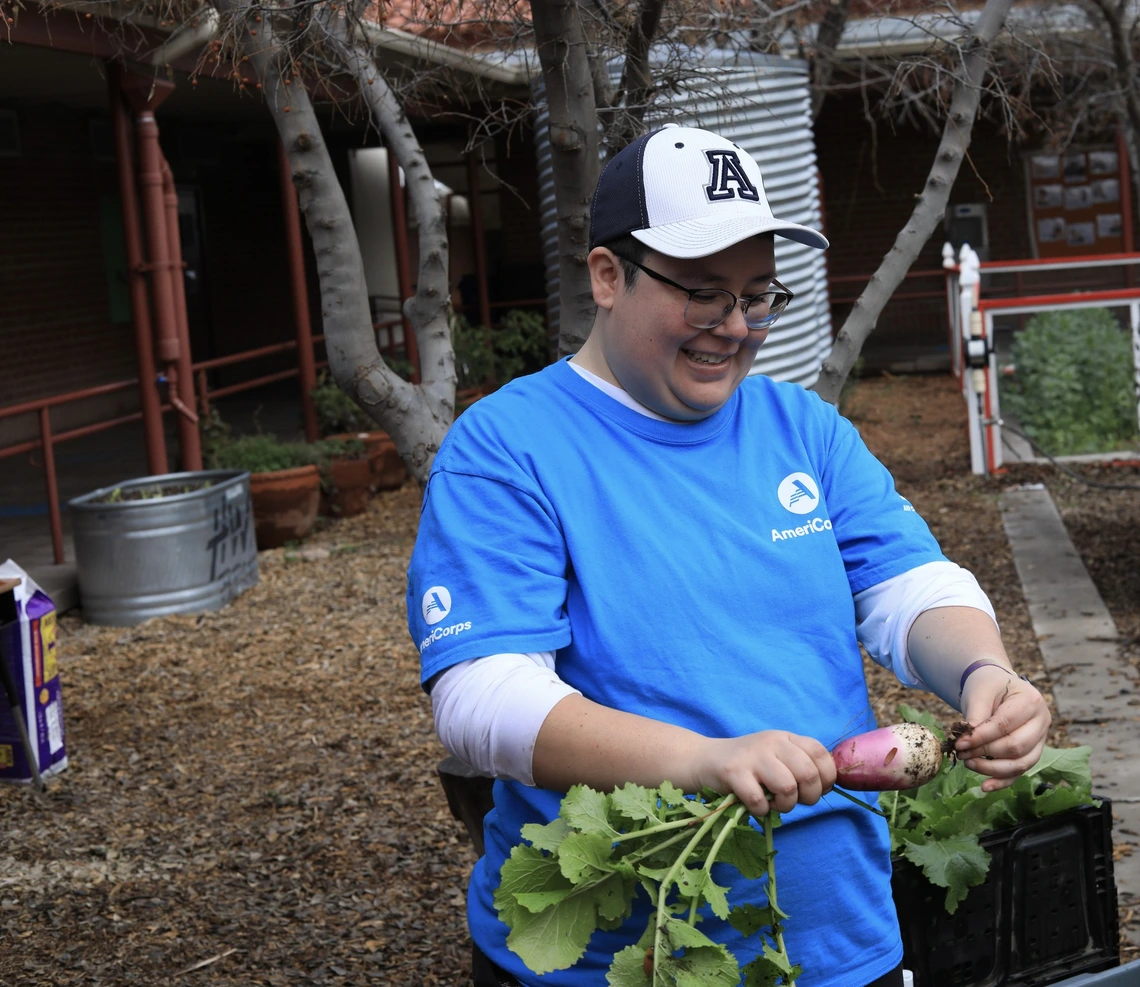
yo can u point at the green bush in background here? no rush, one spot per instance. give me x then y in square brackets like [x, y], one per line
[1074, 386]
[518, 346]
[336, 411]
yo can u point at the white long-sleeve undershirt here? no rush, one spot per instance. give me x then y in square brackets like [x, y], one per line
[488, 711]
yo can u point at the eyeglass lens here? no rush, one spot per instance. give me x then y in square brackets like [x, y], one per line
[708, 309]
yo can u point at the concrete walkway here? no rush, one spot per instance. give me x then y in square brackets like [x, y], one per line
[1096, 691]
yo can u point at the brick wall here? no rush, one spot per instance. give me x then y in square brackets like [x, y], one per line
[56, 332]
[870, 180]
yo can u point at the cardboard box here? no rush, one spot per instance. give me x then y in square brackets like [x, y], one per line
[28, 647]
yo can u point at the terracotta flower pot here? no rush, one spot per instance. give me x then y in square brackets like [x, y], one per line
[284, 504]
[388, 470]
[351, 481]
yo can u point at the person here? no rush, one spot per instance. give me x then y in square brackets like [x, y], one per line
[642, 564]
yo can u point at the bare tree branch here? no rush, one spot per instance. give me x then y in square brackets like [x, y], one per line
[428, 309]
[827, 40]
[928, 211]
[1124, 67]
[636, 79]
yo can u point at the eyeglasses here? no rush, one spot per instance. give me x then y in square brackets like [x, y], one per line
[707, 308]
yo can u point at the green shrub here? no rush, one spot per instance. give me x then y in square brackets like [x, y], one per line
[261, 454]
[474, 359]
[519, 346]
[336, 411]
[1073, 389]
[327, 449]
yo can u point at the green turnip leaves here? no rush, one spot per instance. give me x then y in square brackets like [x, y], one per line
[583, 871]
[936, 827]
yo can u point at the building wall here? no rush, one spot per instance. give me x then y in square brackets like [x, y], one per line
[246, 289]
[65, 317]
[871, 176]
[57, 329]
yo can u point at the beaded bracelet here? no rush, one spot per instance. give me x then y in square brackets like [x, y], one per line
[974, 666]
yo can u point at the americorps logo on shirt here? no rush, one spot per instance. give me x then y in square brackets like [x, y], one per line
[436, 604]
[798, 493]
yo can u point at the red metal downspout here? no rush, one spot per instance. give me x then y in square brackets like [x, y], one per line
[144, 95]
[1125, 160]
[403, 263]
[192, 454]
[140, 304]
[306, 365]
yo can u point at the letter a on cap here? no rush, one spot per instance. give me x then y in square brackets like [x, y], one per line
[726, 172]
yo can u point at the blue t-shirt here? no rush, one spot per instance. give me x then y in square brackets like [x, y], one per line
[700, 574]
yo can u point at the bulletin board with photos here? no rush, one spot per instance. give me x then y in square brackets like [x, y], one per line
[1076, 203]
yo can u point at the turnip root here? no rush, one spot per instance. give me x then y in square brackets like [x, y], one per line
[892, 758]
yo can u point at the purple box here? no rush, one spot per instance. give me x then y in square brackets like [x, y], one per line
[28, 645]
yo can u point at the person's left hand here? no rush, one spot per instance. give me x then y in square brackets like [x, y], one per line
[1010, 720]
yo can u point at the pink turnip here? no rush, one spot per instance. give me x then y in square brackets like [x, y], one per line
[892, 758]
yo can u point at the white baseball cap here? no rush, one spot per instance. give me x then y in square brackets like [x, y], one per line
[686, 192]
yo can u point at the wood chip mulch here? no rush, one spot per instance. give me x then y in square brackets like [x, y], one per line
[252, 795]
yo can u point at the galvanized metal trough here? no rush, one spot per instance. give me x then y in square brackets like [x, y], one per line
[146, 556]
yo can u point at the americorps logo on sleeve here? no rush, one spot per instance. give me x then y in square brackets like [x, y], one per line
[798, 493]
[436, 604]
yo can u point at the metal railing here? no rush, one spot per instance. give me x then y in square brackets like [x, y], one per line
[49, 439]
[1021, 269]
[862, 280]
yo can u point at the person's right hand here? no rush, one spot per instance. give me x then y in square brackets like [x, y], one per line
[788, 767]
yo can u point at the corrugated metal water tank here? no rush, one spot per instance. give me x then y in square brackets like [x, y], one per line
[761, 102]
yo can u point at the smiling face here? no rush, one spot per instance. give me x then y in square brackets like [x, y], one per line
[642, 343]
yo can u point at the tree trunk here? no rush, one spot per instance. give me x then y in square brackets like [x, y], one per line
[428, 309]
[346, 317]
[636, 77]
[562, 51]
[1125, 67]
[929, 209]
[826, 42]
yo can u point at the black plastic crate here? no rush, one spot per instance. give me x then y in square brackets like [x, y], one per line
[1047, 909]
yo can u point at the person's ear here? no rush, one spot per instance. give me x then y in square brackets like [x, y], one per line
[606, 276]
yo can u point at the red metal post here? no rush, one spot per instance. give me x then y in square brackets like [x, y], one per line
[144, 93]
[52, 486]
[305, 364]
[475, 200]
[140, 305]
[190, 439]
[1125, 160]
[162, 285]
[403, 262]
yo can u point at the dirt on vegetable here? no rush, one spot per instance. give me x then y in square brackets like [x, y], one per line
[252, 797]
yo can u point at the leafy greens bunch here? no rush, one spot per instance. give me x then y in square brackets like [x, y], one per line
[582, 871]
[936, 827]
